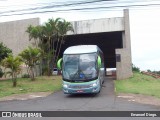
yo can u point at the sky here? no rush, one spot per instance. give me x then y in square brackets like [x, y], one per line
[144, 22]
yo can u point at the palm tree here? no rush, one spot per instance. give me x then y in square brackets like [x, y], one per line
[63, 27]
[31, 56]
[12, 63]
[51, 31]
[38, 33]
[54, 23]
[55, 38]
[48, 33]
[33, 33]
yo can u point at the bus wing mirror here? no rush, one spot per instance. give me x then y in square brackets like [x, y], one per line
[99, 62]
[59, 64]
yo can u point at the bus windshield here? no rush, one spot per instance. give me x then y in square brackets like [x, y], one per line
[79, 67]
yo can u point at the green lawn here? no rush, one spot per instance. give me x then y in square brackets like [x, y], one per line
[25, 85]
[139, 84]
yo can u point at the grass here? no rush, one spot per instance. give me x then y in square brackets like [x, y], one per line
[25, 85]
[139, 84]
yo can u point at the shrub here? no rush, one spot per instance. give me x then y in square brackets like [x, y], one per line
[4, 51]
[31, 57]
[135, 69]
[13, 64]
[1, 73]
[25, 76]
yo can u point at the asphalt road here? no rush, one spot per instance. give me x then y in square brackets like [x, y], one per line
[105, 101]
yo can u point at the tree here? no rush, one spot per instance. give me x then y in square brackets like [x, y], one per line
[46, 62]
[48, 33]
[1, 73]
[135, 69]
[52, 52]
[36, 33]
[13, 64]
[31, 56]
[43, 33]
[63, 27]
[4, 51]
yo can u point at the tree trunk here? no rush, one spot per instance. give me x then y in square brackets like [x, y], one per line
[59, 49]
[36, 43]
[32, 74]
[40, 67]
[48, 67]
[28, 71]
[55, 53]
[51, 61]
[49, 45]
[14, 80]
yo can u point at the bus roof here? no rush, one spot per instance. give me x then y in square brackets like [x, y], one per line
[79, 49]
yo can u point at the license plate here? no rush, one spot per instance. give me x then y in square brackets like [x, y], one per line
[79, 91]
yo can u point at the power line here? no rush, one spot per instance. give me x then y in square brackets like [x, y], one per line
[35, 4]
[70, 4]
[82, 9]
[59, 5]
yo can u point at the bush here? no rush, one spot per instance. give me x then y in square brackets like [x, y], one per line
[1, 73]
[25, 76]
[135, 69]
[4, 51]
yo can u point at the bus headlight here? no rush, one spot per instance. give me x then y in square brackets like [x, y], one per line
[95, 84]
[65, 85]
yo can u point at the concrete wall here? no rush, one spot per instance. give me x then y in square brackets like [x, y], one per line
[13, 34]
[98, 25]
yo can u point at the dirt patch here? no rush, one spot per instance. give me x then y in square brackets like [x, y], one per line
[144, 99]
[26, 96]
[3, 79]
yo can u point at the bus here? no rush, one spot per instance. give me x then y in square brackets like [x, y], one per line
[82, 69]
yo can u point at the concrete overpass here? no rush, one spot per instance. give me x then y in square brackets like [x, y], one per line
[112, 35]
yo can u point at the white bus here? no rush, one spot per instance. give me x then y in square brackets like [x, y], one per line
[82, 69]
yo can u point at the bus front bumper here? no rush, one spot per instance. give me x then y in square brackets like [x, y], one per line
[95, 89]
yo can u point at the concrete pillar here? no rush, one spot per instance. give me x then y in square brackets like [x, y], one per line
[124, 66]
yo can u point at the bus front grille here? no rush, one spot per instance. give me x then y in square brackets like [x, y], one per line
[80, 87]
